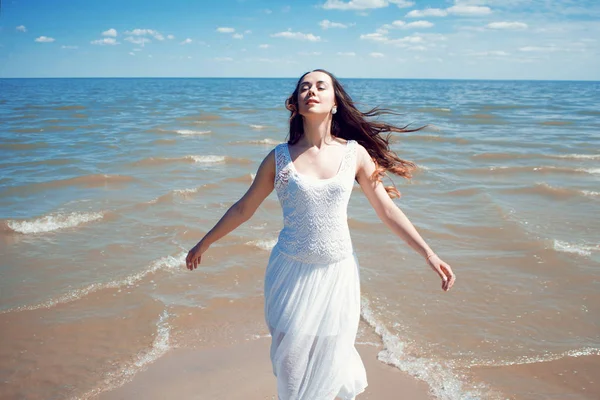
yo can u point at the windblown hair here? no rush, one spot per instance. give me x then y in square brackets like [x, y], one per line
[350, 123]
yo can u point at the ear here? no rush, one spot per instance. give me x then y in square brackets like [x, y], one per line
[289, 105]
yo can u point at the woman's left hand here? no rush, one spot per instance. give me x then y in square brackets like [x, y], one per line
[443, 270]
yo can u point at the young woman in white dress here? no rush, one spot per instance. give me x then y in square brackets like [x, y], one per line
[312, 288]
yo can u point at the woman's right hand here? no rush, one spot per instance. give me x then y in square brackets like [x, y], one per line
[194, 256]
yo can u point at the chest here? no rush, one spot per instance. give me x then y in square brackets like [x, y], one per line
[318, 164]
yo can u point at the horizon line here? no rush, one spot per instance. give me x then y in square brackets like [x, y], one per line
[295, 77]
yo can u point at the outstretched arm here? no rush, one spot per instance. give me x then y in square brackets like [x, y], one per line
[395, 219]
[238, 213]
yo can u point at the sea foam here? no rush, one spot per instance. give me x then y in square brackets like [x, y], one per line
[53, 222]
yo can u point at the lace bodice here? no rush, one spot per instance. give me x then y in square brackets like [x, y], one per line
[315, 219]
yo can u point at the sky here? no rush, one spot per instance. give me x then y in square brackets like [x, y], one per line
[428, 39]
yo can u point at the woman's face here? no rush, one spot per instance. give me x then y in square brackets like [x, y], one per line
[315, 94]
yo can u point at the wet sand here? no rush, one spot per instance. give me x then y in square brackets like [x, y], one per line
[243, 371]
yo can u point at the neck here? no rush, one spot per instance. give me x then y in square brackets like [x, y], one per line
[317, 132]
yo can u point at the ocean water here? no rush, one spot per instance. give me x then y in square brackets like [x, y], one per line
[106, 183]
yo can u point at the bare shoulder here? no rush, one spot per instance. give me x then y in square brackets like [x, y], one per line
[362, 155]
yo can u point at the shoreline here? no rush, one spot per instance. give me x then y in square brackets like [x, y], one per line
[242, 370]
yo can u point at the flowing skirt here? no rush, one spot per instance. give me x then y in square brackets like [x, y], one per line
[313, 311]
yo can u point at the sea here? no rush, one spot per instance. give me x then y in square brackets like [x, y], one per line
[105, 184]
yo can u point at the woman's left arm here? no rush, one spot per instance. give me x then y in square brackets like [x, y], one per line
[395, 219]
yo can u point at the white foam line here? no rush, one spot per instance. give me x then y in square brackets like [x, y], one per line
[581, 249]
[53, 222]
[192, 132]
[581, 156]
[443, 383]
[125, 374]
[547, 357]
[168, 263]
[207, 159]
[263, 244]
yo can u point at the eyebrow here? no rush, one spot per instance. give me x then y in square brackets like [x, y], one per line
[308, 83]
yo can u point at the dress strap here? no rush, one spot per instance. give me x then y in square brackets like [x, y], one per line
[281, 160]
[349, 160]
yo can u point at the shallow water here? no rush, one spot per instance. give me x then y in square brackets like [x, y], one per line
[106, 183]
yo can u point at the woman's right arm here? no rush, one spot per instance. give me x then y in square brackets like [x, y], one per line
[238, 213]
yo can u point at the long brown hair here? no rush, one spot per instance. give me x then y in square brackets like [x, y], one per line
[350, 123]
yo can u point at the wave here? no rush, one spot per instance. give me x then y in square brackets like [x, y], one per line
[545, 190]
[263, 244]
[89, 181]
[192, 132]
[23, 146]
[431, 138]
[586, 351]
[580, 249]
[258, 127]
[556, 123]
[242, 179]
[580, 156]
[53, 222]
[265, 141]
[65, 108]
[506, 169]
[168, 263]
[205, 159]
[443, 382]
[160, 346]
[516, 156]
[167, 197]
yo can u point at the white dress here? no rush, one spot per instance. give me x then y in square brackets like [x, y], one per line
[312, 286]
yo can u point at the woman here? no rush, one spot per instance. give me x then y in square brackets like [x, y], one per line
[312, 291]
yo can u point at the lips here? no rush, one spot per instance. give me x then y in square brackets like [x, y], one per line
[312, 101]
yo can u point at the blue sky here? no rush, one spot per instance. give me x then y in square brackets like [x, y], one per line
[447, 39]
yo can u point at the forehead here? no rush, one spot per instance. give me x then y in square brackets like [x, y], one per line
[316, 76]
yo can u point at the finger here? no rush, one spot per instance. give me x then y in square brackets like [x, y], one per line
[449, 274]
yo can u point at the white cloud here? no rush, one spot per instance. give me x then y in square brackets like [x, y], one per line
[225, 30]
[298, 36]
[460, 8]
[247, 32]
[69, 47]
[403, 25]
[131, 53]
[492, 53]
[44, 39]
[111, 32]
[465, 10]
[186, 41]
[346, 54]
[377, 55]
[21, 28]
[138, 40]
[507, 25]
[326, 24]
[146, 32]
[364, 4]
[428, 12]
[418, 24]
[264, 46]
[376, 37]
[539, 49]
[238, 36]
[105, 41]
[170, 37]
